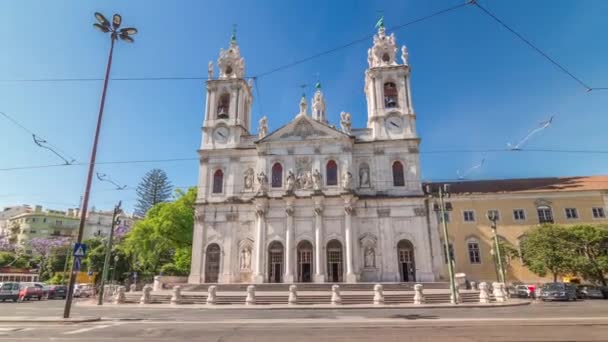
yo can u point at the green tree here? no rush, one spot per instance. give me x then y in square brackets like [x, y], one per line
[154, 188]
[163, 237]
[592, 246]
[549, 249]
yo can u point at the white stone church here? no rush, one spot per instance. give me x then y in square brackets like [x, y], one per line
[311, 202]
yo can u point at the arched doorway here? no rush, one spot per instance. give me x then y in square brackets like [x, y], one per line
[275, 262]
[405, 256]
[212, 263]
[334, 261]
[304, 262]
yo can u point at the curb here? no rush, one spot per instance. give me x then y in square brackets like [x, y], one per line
[49, 320]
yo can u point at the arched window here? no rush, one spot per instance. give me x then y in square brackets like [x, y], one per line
[223, 106]
[391, 99]
[331, 170]
[277, 175]
[218, 182]
[474, 253]
[545, 215]
[398, 177]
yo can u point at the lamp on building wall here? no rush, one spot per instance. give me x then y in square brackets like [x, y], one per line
[493, 217]
[442, 191]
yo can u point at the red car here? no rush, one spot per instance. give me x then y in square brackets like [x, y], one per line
[27, 292]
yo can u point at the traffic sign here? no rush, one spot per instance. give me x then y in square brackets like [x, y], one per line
[80, 250]
[77, 262]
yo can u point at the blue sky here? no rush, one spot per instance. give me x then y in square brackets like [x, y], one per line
[474, 85]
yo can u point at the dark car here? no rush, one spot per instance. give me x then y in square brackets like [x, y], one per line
[10, 291]
[591, 292]
[57, 291]
[558, 291]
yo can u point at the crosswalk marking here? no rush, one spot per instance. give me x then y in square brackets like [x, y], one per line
[80, 331]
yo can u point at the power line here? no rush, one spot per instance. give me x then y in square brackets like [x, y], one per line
[168, 78]
[534, 47]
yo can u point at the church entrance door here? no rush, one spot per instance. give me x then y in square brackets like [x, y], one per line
[334, 261]
[212, 263]
[304, 262]
[275, 259]
[407, 267]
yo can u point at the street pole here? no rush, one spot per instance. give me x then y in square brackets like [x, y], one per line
[65, 266]
[446, 244]
[501, 270]
[106, 262]
[124, 34]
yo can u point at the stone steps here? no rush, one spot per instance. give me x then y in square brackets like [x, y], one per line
[434, 298]
[312, 287]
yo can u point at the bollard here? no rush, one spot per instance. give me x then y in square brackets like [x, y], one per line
[418, 294]
[336, 299]
[132, 288]
[293, 295]
[503, 289]
[473, 285]
[378, 294]
[497, 292]
[146, 297]
[211, 296]
[158, 285]
[484, 294]
[119, 297]
[250, 300]
[176, 296]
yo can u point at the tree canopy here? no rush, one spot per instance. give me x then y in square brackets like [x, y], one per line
[548, 249]
[154, 188]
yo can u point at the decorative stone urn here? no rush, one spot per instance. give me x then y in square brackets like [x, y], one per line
[378, 294]
[336, 299]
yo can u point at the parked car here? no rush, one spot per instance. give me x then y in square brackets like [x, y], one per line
[10, 291]
[83, 290]
[522, 291]
[57, 291]
[27, 292]
[558, 291]
[591, 292]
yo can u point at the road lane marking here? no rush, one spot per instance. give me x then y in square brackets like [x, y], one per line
[80, 331]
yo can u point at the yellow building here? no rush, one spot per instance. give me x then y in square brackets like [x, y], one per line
[520, 204]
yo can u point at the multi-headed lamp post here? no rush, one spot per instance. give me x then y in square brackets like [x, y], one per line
[493, 217]
[116, 33]
[442, 207]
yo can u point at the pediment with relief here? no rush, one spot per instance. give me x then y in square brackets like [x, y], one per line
[304, 128]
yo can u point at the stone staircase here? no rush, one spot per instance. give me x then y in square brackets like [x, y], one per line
[312, 287]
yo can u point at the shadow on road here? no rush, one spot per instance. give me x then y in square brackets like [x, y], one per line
[415, 317]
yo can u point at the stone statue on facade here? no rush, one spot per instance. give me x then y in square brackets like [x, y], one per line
[210, 70]
[248, 180]
[404, 54]
[263, 128]
[347, 181]
[317, 181]
[303, 105]
[262, 182]
[290, 181]
[245, 258]
[345, 122]
[304, 180]
[364, 176]
[369, 257]
[370, 58]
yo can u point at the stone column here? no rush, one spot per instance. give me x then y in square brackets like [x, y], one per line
[198, 245]
[288, 277]
[319, 241]
[348, 237]
[260, 237]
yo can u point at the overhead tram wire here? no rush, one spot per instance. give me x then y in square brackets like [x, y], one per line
[534, 47]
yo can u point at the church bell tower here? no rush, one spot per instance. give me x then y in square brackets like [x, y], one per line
[229, 99]
[390, 113]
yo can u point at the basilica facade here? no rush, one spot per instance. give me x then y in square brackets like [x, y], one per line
[310, 201]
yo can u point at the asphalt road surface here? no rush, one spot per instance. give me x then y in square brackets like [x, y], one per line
[574, 321]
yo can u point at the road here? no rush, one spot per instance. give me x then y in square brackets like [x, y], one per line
[578, 321]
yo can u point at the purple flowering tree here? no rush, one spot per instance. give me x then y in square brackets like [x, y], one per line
[44, 247]
[6, 245]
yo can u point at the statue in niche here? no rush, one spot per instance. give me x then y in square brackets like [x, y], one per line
[245, 258]
[347, 181]
[210, 70]
[263, 128]
[345, 122]
[404, 55]
[370, 257]
[248, 180]
[262, 182]
[317, 180]
[304, 180]
[290, 181]
[364, 176]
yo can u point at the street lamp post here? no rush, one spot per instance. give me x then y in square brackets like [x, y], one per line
[115, 33]
[493, 217]
[443, 191]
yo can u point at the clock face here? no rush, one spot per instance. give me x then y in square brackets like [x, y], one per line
[220, 135]
[394, 124]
